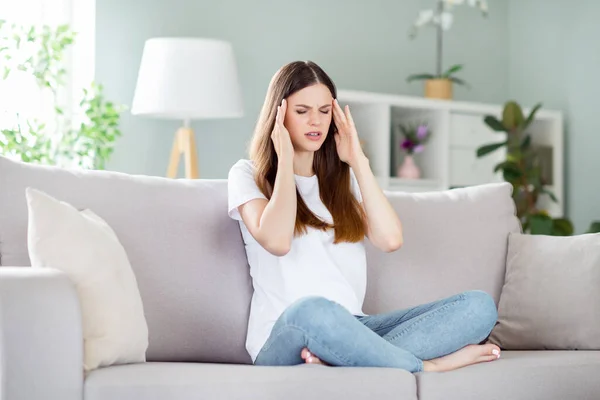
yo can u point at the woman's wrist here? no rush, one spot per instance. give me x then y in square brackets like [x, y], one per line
[360, 163]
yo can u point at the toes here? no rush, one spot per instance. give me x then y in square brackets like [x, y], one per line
[489, 358]
[314, 360]
[305, 354]
[492, 353]
[492, 349]
[495, 351]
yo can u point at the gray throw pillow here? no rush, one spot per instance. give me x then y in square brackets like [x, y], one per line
[551, 296]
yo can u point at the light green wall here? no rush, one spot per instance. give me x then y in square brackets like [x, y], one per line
[529, 50]
[362, 44]
[555, 58]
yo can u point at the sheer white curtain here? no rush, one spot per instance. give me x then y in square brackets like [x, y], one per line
[19, 93]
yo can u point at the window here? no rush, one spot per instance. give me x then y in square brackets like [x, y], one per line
[20, 96]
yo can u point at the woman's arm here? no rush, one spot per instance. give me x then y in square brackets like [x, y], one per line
[384, 226]
[271, 222]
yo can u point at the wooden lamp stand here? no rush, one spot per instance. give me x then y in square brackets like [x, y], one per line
[184, 145]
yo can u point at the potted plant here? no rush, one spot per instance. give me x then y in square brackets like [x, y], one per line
[413, 142]
[84, 139]
[440, 84]
[522, 169]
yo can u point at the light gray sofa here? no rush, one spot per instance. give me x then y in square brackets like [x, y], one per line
[189, 260]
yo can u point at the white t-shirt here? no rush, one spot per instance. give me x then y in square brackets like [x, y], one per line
[314, 266]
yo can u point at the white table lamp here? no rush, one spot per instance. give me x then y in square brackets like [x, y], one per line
[185, 79]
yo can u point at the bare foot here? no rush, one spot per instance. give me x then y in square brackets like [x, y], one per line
[310, 358]
[471, 354]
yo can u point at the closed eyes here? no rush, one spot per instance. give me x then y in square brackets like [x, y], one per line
[304, 112]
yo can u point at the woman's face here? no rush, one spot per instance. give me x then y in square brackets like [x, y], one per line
[308, 117]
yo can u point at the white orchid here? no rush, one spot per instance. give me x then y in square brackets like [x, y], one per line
[424, 18]
[481, 4]
[445, 20]
[441, 18]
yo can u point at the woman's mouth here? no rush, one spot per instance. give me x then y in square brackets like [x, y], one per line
[313, 135]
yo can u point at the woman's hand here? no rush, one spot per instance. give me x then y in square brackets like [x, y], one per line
[281, 137]
[346, 137]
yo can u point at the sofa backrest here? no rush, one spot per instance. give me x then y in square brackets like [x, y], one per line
[187, 254]
[454, 240]
[190, 262]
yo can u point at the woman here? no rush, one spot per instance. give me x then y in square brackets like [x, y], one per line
[305, 201]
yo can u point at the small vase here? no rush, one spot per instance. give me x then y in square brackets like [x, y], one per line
[438, 89]
[408, 169]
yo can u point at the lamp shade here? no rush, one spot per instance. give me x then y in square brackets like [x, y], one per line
[187, 78]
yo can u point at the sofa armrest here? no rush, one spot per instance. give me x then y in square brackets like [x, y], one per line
[41, 340]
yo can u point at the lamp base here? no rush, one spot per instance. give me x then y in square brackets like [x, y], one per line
[184, 144]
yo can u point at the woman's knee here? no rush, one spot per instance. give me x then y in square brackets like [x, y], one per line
[483, 309]
[311, 310]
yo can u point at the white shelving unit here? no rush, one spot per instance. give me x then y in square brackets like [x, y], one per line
[458, 129]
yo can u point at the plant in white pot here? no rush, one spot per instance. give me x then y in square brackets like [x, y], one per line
[439, 84]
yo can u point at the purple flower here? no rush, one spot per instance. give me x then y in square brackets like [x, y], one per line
[406, 144]
[418, 148]
[422, 132]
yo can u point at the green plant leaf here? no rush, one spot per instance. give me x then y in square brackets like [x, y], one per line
[540, 224]
[526, 143]
[419, 77]
[510, 169]
[512, 115]
[550, 194]
[494, 124]
[562, 227]
[531, 116]
[488, 148]
[453, 69]
[459, 81]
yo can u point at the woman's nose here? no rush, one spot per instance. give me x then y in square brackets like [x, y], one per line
[314, 120]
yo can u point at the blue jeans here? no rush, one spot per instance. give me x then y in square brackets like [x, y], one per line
[399, 339]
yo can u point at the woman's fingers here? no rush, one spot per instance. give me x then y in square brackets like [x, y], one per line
[349, 116]
[339, 112]
[278, 116]
[338, 117]
[283, 109]
[275, 133]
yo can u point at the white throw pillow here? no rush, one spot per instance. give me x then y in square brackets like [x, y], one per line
[82, 245]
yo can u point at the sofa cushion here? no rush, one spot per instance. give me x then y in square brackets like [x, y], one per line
[180, 381]
[454, 241]
[186, 253]
[519, 375]
[551, 295]
[83, 246]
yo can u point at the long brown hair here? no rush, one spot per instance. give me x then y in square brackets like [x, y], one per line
[349, 220]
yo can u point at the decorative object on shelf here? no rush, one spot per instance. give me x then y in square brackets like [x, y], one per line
[409, 169]
[439, 85]
[594, 227]
[84, 138]
[186, 79]
[413, 141]
[523, 169]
